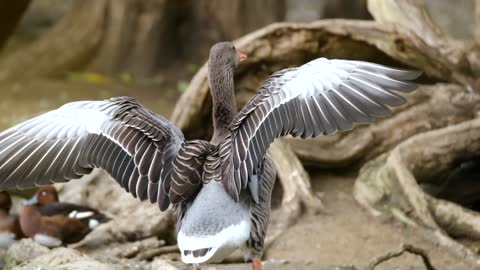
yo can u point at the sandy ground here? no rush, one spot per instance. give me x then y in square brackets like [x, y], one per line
[348, 235]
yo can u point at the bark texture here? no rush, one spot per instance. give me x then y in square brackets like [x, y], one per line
[139, 37]
[429, 132]
[10, 14]
[67, 46]
[389, 185]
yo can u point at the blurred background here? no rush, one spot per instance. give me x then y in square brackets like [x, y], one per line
[54, 51]
[57, 51]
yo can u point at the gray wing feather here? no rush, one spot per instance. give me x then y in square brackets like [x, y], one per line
[260, 211]
[134, 145]
[318, 98]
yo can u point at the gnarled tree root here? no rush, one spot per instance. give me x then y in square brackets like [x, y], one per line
[298, 193]
[389, 185]
[282, 45]
[429, 107]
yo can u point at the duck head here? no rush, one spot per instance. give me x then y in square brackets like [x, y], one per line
[44, 195]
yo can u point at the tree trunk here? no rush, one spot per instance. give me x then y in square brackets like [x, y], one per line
[67, 46]
[10, 13]
[140, 37]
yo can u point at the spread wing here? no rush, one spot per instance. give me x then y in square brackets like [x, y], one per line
[134, 145]
[319, 98]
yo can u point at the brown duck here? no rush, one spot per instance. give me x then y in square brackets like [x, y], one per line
[220, 189]
[52, 223]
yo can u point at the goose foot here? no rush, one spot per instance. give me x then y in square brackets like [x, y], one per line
[256, 264]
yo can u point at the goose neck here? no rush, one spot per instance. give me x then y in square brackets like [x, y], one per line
[223, 99]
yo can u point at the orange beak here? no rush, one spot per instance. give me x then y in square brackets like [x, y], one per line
[241, 55]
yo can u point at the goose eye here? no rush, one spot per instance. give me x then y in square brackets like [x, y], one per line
[233, 48]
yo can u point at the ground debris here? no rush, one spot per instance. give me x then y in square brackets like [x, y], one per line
[396, 253]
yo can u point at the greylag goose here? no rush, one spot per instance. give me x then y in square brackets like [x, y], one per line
[220, 189]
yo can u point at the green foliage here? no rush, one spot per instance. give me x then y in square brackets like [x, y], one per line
[126, 77]
[88, 77]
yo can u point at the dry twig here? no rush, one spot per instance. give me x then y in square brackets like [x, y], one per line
[150, 254]
[397, 253]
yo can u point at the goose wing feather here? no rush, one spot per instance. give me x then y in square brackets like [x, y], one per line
[137, 147]
[319, 98]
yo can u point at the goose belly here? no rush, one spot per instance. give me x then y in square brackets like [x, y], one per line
[213, 227]
[198, 249]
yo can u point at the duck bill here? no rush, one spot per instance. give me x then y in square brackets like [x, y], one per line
[241, 55]
[31, 201]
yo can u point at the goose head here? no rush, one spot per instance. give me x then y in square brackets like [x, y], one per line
[224, 55]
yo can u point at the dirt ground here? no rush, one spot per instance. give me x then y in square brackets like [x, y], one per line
[347, 235]
[351, 236]
[346, 238]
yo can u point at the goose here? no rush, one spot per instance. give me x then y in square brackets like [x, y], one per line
[220, 190]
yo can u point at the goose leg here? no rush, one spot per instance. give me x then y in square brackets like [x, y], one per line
[256, 264]
[196, 267]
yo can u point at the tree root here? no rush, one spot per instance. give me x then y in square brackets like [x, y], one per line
[150, 254]
[281, 45]
[403, 248]
[284, 45]
[414, 17]
[389, 185]
[297, 190]
[422, 112]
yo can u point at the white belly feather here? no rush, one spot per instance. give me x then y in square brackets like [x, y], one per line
[213, 227]
[222, 244]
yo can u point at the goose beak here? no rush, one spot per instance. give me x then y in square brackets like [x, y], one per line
[241, 55]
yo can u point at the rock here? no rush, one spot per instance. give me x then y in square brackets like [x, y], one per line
[67, 258]
[162, 264]
[28, 255]
[23, 250]
[130, 250]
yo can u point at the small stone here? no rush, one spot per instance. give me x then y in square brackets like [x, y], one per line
[162, 264]
[24, 250]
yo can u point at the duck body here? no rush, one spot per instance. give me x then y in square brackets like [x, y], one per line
[52, 223]
[10, 230]
[220, 189]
